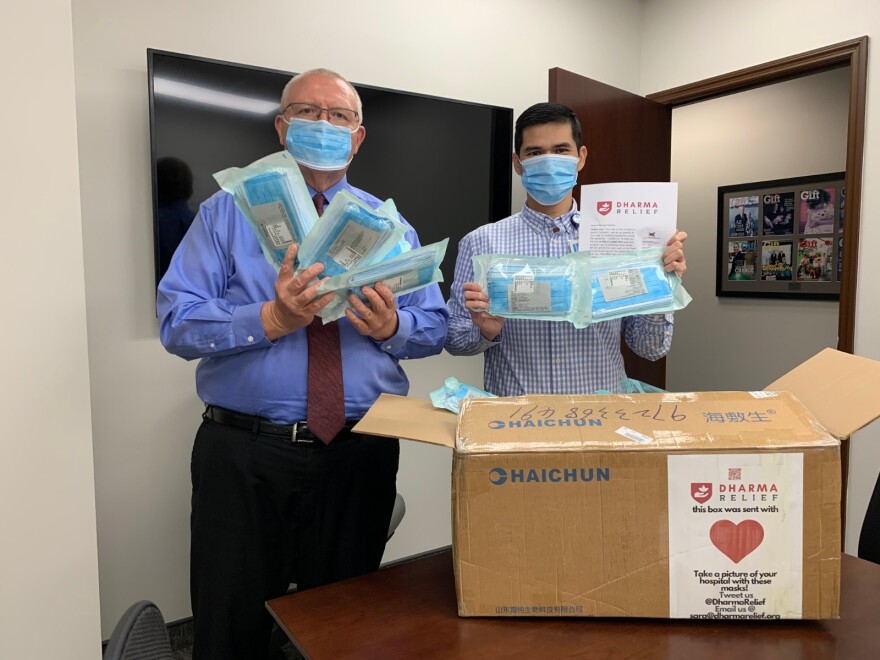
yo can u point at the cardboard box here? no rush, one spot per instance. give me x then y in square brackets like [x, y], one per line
[686, 505]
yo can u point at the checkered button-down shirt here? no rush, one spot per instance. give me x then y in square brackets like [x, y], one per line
[546, 357]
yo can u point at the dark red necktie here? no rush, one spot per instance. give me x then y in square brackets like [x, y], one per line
[325, 412]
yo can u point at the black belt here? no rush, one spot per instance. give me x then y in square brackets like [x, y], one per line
[298, 432]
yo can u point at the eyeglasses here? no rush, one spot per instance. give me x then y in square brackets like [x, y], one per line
[336, 116]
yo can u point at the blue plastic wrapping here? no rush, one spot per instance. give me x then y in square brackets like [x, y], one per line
[404, 273]
[542, 288]
[352, 234]
[272, 195]
[636, 283]
[454, 392]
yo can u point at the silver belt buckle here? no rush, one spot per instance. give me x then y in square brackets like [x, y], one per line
[294, 439]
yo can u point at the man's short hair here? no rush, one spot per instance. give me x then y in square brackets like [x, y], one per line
[324, 72]
[547, 113]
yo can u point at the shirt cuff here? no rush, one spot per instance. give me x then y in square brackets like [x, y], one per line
[482, 343]
[247, 326]
[395, 344]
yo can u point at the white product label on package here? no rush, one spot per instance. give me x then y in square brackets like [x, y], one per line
[352, 245]
[523, 284]
[536, 300]
[402, 281]
[623, 283]
[764, 395]
[275, 223]
[736, 524]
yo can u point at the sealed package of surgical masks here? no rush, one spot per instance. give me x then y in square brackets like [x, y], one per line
[635, 283]
[539, 288]
[352, 234]
[405, 273]
[454, 392]
[632, 386]
[272, 195]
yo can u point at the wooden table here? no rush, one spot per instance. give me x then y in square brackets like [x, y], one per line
[408, 610]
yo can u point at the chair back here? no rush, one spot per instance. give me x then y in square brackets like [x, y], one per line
[141, 634]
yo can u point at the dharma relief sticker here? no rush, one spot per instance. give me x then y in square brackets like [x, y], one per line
[736, 525]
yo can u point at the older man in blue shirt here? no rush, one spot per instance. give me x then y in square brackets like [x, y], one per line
[276, 496]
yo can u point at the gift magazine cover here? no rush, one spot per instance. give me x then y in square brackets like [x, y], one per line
[778, 213]
[817, 211]
[815, 259]
[743, 216]
[741, 259]
[776, 260]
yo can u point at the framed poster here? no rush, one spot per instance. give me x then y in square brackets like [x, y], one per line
[782, 238]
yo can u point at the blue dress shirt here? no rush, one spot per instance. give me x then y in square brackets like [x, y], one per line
[546, 357]
[209, 305]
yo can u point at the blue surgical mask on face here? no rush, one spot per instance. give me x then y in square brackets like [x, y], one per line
[319, 145]
[550, 177]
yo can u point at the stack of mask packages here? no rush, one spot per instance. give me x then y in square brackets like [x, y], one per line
[357, 244]
[577, 288]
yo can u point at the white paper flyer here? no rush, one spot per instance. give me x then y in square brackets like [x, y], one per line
[736, 536]
[617, 218]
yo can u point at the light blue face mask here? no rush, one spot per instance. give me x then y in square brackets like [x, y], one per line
[537, 288]
[453, 392]
[272, 195]
[549, 178]
[408, 272]
[351, 234]
[636, 283]
[319, 145]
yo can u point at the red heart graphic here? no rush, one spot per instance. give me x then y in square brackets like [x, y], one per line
[736, 540]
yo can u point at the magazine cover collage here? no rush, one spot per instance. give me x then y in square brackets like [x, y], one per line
[782, 237]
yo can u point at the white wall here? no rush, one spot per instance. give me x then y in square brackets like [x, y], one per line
[688, 40]
[145, 410]
[48, 551]
[795, 128]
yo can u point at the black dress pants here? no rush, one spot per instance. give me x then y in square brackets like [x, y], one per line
[267, 512]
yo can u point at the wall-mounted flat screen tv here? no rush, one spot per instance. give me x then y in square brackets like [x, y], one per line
[446, 163]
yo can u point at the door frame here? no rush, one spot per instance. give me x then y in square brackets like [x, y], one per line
[852, 53]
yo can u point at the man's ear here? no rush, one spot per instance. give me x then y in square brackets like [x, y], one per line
[517, 164]
[582, 158]
[281, 129]
[357, 139]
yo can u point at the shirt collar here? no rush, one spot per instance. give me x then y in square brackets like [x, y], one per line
[330, 193]
[568, 222]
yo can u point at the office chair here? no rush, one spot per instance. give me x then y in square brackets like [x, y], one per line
[869, 539]
[396, 514]
[140, 635]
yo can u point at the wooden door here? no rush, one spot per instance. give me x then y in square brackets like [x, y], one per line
[628, 138]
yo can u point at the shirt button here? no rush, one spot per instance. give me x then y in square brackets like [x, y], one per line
[387, 347]
[250, 338]
[212, 344]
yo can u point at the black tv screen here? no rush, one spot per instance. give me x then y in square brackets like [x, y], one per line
[445, 163]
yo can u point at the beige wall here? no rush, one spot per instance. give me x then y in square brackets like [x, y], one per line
[48, 549]
[144, 402]
[795, 128]
[688, 40]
